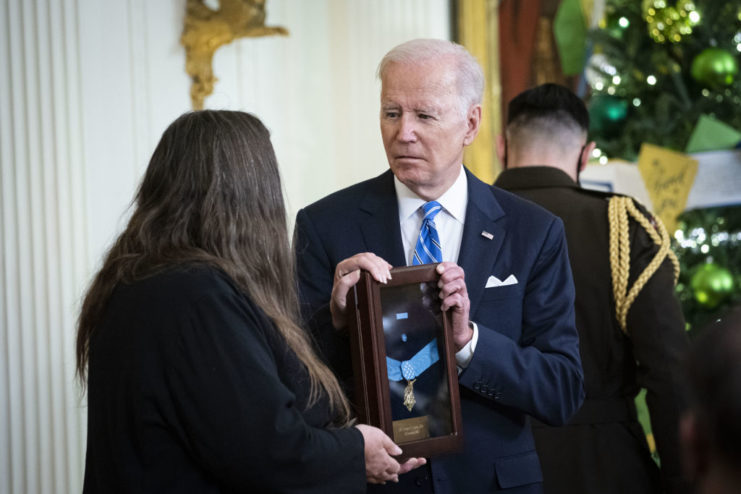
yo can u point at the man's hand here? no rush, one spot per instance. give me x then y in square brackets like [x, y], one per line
[346, 275]
[454, 297]
[380, 467]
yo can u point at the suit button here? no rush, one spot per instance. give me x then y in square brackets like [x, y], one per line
[485, 389]
[497, 396]
[476, 386]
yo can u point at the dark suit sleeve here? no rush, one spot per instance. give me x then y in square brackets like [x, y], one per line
[315, 276]
[238, 420]
[540, 374]
[656, 328]
[315, 270]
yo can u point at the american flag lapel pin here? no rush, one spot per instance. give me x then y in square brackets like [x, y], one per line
[487, 235]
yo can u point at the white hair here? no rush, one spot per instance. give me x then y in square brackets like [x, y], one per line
[469, 76]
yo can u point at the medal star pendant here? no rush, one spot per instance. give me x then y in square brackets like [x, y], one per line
[409, 400]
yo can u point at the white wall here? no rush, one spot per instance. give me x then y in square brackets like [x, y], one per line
[87, 88]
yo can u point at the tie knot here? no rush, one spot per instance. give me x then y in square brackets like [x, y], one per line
[431, 209]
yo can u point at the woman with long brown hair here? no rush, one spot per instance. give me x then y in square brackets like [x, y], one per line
[199, 375]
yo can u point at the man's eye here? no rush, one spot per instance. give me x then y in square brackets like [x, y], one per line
[424, 116]
[391, 114]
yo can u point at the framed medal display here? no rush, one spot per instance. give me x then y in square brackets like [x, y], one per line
[406, 382]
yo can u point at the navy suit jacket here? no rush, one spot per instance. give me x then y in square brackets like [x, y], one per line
[527, 358]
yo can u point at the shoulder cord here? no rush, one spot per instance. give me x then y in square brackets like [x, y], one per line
[618, 210]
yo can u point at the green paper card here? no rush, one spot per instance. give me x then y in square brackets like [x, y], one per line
[712, 135]
[570, 32]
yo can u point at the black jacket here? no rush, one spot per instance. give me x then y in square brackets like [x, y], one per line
[604, 450]
[191, 391]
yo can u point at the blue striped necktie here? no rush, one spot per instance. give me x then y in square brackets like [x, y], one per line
[428, 249]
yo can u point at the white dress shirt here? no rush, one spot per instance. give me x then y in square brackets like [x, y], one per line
[449, 222]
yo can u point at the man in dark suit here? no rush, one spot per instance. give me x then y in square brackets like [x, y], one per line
[603, 448]
[505, 274]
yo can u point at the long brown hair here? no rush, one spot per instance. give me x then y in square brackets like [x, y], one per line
[212, 194]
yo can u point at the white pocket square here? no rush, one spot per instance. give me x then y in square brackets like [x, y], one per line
[493, 281]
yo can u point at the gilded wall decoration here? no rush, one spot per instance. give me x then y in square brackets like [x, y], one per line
[207, 29]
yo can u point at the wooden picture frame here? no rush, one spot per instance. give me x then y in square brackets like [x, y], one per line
[403, 319]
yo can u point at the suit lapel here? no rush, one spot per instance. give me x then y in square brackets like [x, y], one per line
[381, 230]
[478, 251]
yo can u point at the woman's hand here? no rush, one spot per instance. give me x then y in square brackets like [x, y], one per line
[380, 467]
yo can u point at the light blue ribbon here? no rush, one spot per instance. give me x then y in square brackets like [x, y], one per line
[410, 369]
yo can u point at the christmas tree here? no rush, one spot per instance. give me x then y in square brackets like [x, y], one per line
[656, 67]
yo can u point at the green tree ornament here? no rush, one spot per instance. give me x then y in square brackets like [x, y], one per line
[711, 284]
[714, 67]
[607, 114]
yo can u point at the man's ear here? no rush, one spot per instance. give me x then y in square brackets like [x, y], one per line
[585, 154]
[501, 147]
[473, 120]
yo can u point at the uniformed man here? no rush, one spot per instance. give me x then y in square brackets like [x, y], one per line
[627, 341]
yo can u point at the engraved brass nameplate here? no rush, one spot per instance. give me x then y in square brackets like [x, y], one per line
[411, 429]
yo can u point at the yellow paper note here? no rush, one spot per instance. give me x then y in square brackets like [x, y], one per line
[668, 177]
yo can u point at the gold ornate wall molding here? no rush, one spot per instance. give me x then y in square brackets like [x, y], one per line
[478, 31]
[207, 29]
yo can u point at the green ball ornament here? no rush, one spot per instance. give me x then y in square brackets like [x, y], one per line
[711, 285]
[607, 114]
[714, 67]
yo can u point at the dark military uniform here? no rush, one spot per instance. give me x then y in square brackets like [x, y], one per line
[603, 449]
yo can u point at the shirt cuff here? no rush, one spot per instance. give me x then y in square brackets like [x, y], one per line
[464, 355]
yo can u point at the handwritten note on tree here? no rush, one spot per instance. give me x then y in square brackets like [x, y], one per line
[668, 177]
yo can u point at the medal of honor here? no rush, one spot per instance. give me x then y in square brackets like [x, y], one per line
[409, 400]
[409, 370]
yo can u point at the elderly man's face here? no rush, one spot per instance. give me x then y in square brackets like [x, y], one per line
[423, 128]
